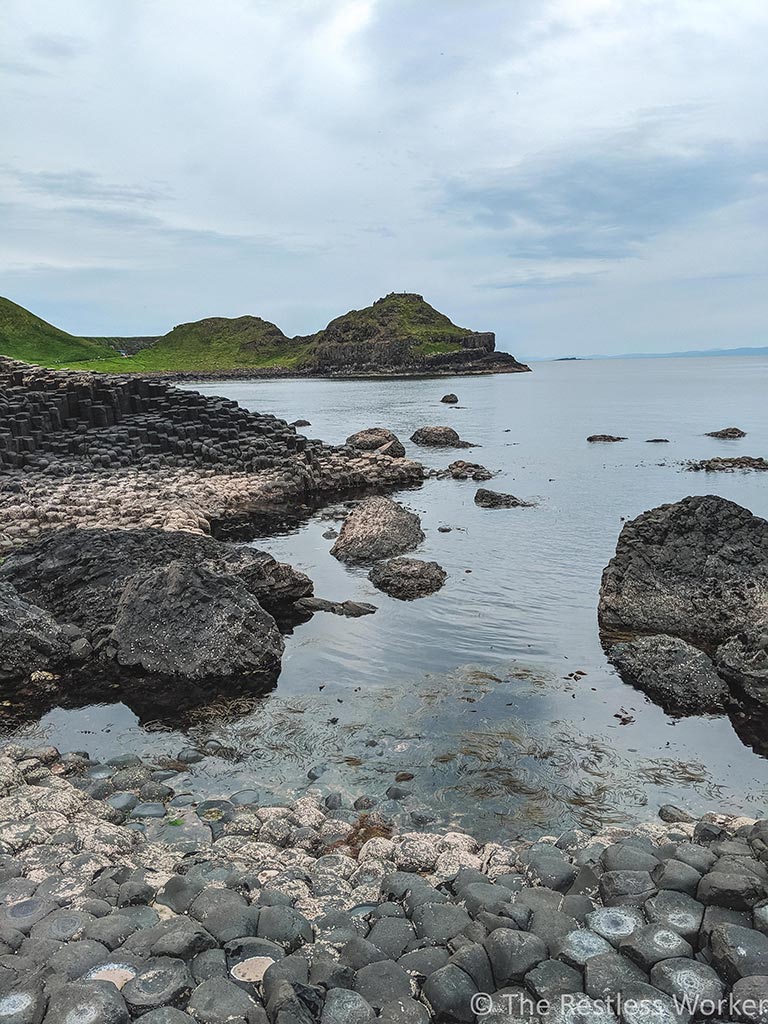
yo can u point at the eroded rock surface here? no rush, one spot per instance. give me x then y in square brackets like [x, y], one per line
[439, 437]
[30, 638]
[407, 578]
[727, 433]
[377, 439]
[496, 499]
[461, 470]
[377, 528]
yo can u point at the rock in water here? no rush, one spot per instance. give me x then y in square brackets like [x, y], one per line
[377, 528]
[377, 439]
[730, 464]
[697, 569]
[495, 499]
[680, 678]
[604, 438]
[439, 437]
[407, 578]
[186, 620]
[727, 433]
[29, 637]
[450, 399]
[743, 662]
[461, 470]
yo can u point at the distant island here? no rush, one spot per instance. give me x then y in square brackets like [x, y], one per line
[400, 334]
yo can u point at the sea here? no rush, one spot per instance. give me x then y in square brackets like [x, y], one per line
[492, 701]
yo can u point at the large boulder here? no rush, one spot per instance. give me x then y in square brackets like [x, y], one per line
[377, 528]
[407, 578]
[30, 638]
[743, 662]
[675, 675]
[79, 575]
[696, 569]
[461, 470]
[186, 620]
[377, 439]
[439, 437]
[727, 433]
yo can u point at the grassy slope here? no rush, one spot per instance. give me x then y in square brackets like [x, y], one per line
[25, 336]
[398, 315]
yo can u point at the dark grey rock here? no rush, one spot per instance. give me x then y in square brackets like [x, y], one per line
[678, 912]
[486, 498]
[737, 892]
[472, 958]
[644, 1004]
[23, 1004]
[552, 978]
[403, 1011]
[652, 943]
[343, 1007]
[167, 1015]
[615, 923]
[392, 935]
[359, 952]
[75, 958]
[439, 922]
[407, 578]
[698, 857]
[23, 915]
[285, 926]
[380, 982]
[626, 888]
[581, 1011]
[551, 925]
[423, 962]
[687, 980]
[607, 975]
[211, 963]
[578, 946]
[183, 940]
[222, 1002]
[750, 998]
[677, 876]
[513, 954]
[738, 952]
[95, 1001]
[62, 925]
[674, 674]
[163, 981]
[448, 993]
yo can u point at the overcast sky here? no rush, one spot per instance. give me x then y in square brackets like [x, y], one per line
[580, 175]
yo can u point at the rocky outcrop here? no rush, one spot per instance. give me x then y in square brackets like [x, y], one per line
[78, 576]
[604, 438]
[439, 437]
[730, 464]
[450, 399]
[377, 439]
[30, 638]
[496, 499]
[407, 578]
[697, 571]
[187, 620]
[675, 675]
[377, 528]
[461, 470]
[727, 433]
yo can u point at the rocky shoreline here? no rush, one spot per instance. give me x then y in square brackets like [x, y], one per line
[123, 896]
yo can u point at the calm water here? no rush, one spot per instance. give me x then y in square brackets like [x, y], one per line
[470, 689]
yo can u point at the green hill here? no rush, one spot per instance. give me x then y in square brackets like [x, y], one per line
[25, 336]
[398, 333]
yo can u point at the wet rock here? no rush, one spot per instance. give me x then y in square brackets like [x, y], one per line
[578, 946]
[626, 888]
[687, 980]
[735, 464]
[495, 499]
[608, 974]
[344, 1007]
[377, 439]
[735, 891]
[448, 993]
[349, 609]
[551, 979]
[696, 569]
[750, 999]
[381, 982]
[377, 528]
[439, 437]
[450, 399]
[30, 639]
[604, 438]
[615, 923]
[25, 1004]
[738, 952]
[675, 675]
[461, 470]
[678, 912]
[727, 433]
[163, 981]
[407, 578]
[211, 625]
[513, 954]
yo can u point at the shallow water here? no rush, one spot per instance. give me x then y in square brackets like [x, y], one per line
[469, 690]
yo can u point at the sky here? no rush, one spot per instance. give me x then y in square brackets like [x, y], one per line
[579, 176]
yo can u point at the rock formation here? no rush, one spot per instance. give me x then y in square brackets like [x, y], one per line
[439, 437]
[377, 439]
[604, 438]
[695, 570]
[377, 528]
[496, 499]
[407, 578]
[461, 470]
[727, 433]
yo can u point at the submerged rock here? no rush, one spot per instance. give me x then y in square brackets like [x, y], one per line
[349, 609]
[729, 465]
[377, 528]
[677, 676]
[495, 499]
[604, 438]
[450, 399]
[377, 439]
[407, 578]
[727, 433]
[186, 620]
[461, 470]
[439, 437]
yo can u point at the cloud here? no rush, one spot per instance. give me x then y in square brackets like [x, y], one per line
[605, 203]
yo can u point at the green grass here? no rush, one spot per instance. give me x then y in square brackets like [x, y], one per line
[435, 348]
[25, 336]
